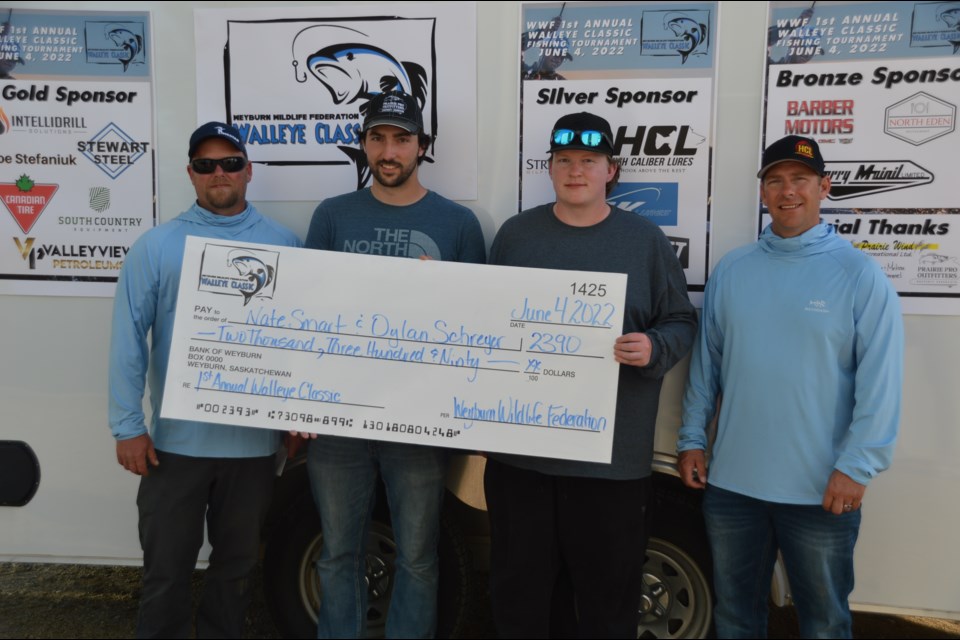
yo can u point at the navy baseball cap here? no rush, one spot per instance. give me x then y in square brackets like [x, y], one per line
[395, 108]
[793, 149]
[216, 130]
[584, 131]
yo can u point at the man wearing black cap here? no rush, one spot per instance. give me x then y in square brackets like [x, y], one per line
[585, 519]
[191, 472]
[802, 336]
[398, 217]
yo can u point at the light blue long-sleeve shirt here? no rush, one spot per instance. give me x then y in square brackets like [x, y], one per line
[145, 303]
[803, 339]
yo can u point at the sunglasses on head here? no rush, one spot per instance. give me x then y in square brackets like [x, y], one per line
[231, 164]
[589, 138]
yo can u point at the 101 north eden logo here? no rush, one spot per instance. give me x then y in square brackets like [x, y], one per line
[238, 271]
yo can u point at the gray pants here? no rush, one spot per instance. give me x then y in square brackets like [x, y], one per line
[233, 495]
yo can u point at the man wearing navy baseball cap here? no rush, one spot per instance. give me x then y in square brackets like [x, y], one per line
[396, 216]
[586, 520]
[191, 472]
[802, 336]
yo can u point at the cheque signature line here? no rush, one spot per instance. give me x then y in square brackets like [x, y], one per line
[373, 337]
[565, 324]
[348, 355]
[529, 424]
[263, 395]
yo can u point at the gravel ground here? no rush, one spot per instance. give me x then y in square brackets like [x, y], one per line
[77, 601]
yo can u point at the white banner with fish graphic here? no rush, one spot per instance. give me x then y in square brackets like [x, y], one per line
[649, 69]
[77, 163]
[296, 83]
[476, 357]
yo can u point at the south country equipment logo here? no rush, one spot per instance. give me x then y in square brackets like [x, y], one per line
[26, 200]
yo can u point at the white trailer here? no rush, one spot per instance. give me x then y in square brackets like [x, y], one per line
[53, 381]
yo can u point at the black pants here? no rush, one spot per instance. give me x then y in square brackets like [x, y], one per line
[233, 494]
[592, 530]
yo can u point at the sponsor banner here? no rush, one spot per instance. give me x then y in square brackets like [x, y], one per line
[77, 173]
[648, 68]
[315, 70]
[877, 86]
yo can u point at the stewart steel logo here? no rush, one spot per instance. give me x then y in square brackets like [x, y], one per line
[855, 178]
[26, 200]
[112, 150]
[238, 271]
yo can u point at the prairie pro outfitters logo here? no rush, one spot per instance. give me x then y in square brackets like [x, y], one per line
[238, 271]
[855, 178]
[26, 200]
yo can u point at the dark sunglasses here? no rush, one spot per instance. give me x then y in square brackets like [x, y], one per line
[231, 164]
[589, 138]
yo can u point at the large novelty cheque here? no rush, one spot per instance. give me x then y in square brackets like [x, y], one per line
[475, 357]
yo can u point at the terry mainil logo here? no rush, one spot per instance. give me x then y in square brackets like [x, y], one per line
[855, 178]
[238, 271]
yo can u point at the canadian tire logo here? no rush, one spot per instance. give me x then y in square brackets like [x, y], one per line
[26, 200]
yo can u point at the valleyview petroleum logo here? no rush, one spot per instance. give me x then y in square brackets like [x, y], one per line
[26, 200]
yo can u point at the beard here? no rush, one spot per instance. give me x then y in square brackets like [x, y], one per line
[397, 179]
[223, 199]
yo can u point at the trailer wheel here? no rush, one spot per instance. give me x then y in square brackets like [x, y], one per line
[678, 572]
[293, 589]
[676, 595]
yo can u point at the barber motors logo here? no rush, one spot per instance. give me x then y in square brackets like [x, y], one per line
[656, 201]
[238, 271]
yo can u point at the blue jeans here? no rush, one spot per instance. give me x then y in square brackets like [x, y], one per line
[817, 549]
[343, 475]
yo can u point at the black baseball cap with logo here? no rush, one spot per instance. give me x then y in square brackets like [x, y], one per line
[394, 108]
[584, 131]
[793, 149]
[216, 130]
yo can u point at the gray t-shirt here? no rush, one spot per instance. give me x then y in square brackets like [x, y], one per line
[433, 226]
[656, 304]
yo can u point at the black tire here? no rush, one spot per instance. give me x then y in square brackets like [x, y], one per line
[293, 592]
[678, 576]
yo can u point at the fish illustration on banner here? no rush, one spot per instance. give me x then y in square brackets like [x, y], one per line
[354, 70]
